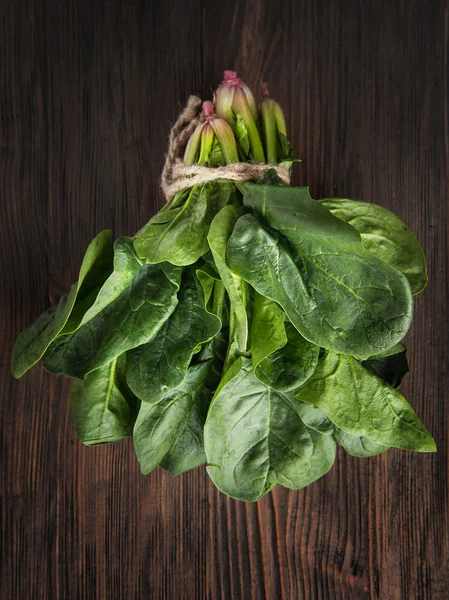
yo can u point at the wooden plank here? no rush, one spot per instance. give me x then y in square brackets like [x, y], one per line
[89, 90]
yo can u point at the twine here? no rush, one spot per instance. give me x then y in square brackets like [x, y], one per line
[177, 176]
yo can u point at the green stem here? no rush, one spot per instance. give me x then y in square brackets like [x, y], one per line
[269, 130]
[218, 298]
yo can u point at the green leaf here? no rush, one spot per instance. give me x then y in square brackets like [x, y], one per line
[254, 439]
[241, 135]
[131, 319]
[179, 236]
[34, 341]
[358, 446]
[385, 235]
[126, 266]
[267, 329]
[363, 405]
[290, 366]
[238, 290]
[161, 425]
[391, 366]
[314, 418]
[336, 294]
[208, 276]
[285, 156]
[282, 358]
[188, 452]
[103, 409]
[161, 365]
[216, 158]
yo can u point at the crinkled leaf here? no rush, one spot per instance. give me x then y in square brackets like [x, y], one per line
[161, 365]
[282, 358]
[34, 341]
[160, 425]
[126, 266]
[358, 446]
[267, 329]
[103, 408]
[254, 439]
[363, 405]
[132, 319]
[335, 293]
[182, 240]
[290, 366]
[385, 235]
[188, 451]
[314, 418]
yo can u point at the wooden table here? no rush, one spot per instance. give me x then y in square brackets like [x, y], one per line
[88, 92]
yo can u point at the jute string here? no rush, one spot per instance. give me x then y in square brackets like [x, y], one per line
[177, 176]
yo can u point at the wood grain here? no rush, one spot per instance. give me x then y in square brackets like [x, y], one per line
[88, 92]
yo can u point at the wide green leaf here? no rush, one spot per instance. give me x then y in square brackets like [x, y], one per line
[290, 366]
[188, 451]
[314, 418]
[358, 446]
[385, 235]
[179, 236]
[337, 295]
[363, 405]
[254, 439]
[131, 319]
[282, 358]
[160, 425]
[267, 329]
[103, 409]
[161, 365]
[126, 266]
[34, 341]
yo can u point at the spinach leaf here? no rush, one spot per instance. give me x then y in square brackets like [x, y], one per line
[254, 439]
[209, 278]
[131, 319]
[314, 418]
[188, 451]
[34, 341]
[126, 266]
[161, 365]
[337, 295]
[363, 405]
[358, 446]
[385, 235]
[179, 236]
[161, 424]
[267, 329]
[216, 350]
[282, 358]
[103, 409]
[391, 366]
[237, 289]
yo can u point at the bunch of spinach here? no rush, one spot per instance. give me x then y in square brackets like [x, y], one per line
[249, 327]
[246, 326]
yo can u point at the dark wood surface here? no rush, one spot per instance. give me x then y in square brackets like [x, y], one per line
[88, 92]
